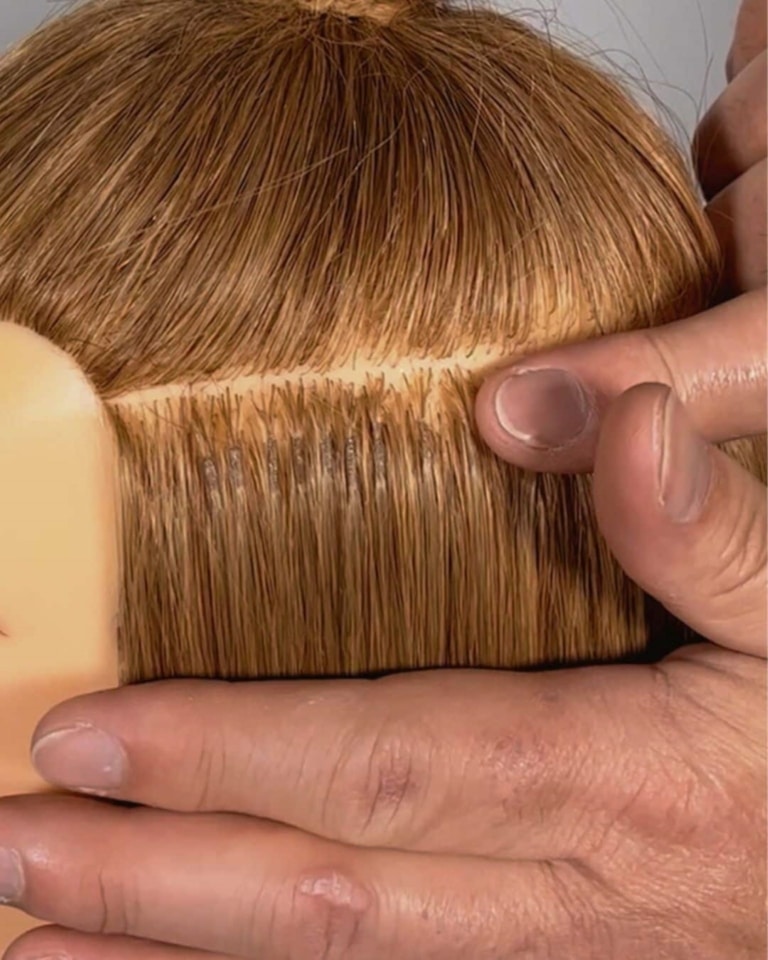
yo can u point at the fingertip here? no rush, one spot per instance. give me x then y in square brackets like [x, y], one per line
[76, 711]
[491, 430]
[652, 477]
[684, 475]
[627, 464]
[42, 943]
[686, 522]
[631, 419]
[132, 707]
[539, 418]
[650, 458]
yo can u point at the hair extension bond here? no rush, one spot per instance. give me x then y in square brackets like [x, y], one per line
[284, 238]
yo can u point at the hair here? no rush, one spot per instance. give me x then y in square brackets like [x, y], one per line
[284, 238]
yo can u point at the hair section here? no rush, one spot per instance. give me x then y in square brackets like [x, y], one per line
[197, 191]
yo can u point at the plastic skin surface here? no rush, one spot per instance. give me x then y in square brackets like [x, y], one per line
[58, 552]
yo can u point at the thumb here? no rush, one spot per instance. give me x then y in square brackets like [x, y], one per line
[685, 521]
[545, 412]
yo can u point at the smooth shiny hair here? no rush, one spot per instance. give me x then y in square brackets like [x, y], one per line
[284, 238]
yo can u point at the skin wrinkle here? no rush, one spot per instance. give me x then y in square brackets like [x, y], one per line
[203, 771]
[681, 738]
[105, 925]
[373, 756]
[331, 791]
[284, 244]
[725, 379]
[744, 561]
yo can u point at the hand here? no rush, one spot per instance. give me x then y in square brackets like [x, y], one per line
[614, 812]
[730, 154]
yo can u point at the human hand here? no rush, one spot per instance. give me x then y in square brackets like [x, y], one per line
[730, 154]
[614, 812]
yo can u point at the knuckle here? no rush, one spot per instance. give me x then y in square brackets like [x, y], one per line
[646, 805]
[662, 360]
[734, 127]
[580, 910]
[41, 942]
[328, 915]
[749, 36]
[115, 889]
[213, 769]
[381, 780]
[517, 772]
[117, 909]
[694, 793]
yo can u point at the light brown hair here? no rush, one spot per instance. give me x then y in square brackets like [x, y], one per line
[283, 238]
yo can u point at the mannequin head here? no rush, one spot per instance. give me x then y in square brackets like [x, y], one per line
[283, 239]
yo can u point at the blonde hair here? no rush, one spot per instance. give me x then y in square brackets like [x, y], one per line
[283, 237]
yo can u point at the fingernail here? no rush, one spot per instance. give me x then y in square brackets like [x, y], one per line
[544, 408]
[11, 876]
[80, 758]
[685, 464]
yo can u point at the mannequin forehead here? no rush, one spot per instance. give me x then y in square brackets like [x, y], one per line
[58, 543]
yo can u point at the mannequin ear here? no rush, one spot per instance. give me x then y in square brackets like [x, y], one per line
[58, 543]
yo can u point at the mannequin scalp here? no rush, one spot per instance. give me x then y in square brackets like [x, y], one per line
[243, 193]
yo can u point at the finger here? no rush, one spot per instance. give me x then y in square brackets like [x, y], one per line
[57, 943]
[715, 362]
[375, 764]
[732, 136]
[749, 38]
[690, 527]
[251, 889]
[738, 215]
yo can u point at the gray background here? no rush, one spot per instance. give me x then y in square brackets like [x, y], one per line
[673, 51]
